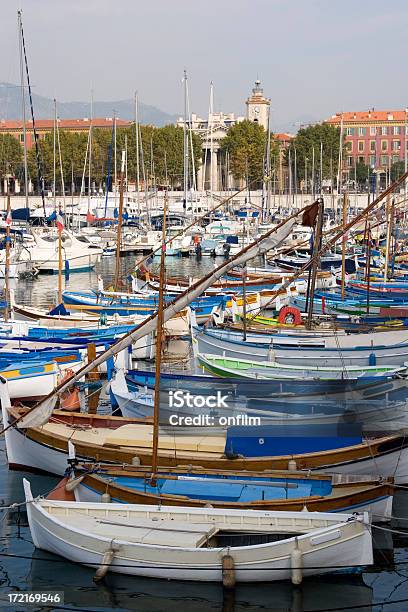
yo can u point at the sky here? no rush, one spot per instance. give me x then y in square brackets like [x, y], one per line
[313, 57]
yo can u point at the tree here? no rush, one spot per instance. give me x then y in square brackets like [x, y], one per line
[245, 143]
[11, 156]
[360, 173]
[397, 170]
[308, 144]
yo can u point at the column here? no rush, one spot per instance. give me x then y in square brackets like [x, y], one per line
[214, 170]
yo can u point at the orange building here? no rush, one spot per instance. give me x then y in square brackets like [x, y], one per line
[44, 126]
[375, 138]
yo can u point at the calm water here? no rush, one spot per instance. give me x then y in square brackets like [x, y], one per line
[24, 568]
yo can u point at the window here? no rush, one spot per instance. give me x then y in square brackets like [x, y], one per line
[384, 160]
[384, 145]
[395, 158]
[396, 145]
[349, 160]
[350, 131]
[384, 131]
[361, 159]
[361, 146]
[349, 146]
[373, 131]
[396, 130]
[372, 145]
[372, 160]
[361, 131]
[21, 137]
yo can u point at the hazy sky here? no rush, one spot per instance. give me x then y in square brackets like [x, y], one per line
[314, 57]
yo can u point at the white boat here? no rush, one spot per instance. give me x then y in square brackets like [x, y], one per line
[76, 255]
[199, 544]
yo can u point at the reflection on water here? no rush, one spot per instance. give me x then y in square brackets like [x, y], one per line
[386, 581]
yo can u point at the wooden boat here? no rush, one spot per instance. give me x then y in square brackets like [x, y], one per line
[372, 414]
[270, 491]
[245, 368]
[116, 440]
[354, 349]
[30, 380]
[146, 540]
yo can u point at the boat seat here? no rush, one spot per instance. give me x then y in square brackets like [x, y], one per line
[161, 533]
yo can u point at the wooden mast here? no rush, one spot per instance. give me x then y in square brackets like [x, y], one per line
[390, 220]
[316, 249]
[7, 262]
[343, 250]
[159, 340]
[119, 231]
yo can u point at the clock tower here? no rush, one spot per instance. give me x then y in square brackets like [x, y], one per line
[258, 106]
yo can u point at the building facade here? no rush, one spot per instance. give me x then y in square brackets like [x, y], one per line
[213, 173]
[45, 126]
[375, 138]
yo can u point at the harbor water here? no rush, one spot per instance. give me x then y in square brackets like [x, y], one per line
[23, 568]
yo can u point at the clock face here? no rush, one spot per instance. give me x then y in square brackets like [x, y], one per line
[256, 110]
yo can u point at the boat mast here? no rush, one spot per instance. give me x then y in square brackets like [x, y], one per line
[114, 157]
[159, 340]
[61, 168]
[54, 183]
[315, 263]
[137, 153]
[23, 113]
[185, 145]
[90, 157]
[37, 149]
[7, 262]
[119, 231]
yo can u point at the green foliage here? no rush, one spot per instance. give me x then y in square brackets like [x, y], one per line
[397, 170]
[311, 139]
[246, 144]
[360, 173]
[11, 155]
[165, 143]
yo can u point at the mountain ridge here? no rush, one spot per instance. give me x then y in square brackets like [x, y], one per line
[10, 108]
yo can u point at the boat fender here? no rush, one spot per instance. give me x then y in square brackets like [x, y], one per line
[292, 466]
[72, 484]
[228, 572]
[208, 505]
[372, 359]
[136, 461]
[106, 562]
[296, 564]
[106, 498]
[289, 315]
[271, 353]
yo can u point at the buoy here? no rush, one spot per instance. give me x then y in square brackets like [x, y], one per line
[292, 466]
[106, 562]
[289, 315]
[271, 353]
[296, 564]
[106, 498]
[228, 572]
[72, 484]
[136, 461]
